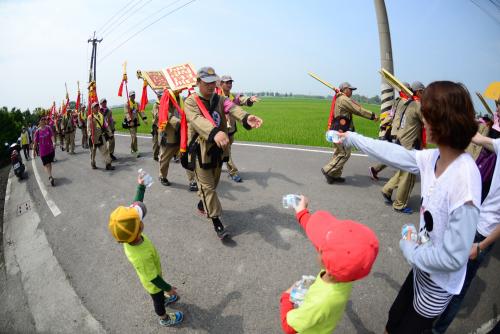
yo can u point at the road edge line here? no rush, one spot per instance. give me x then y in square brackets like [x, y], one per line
[50, 203]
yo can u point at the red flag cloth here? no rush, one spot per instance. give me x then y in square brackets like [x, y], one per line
[124, 80]
[332, 112]
[163, 111]
[144, 97]
[183, 144]
[403, 95]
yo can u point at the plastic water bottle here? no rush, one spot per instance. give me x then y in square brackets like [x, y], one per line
[332, 136]
[299, 290]
[148, 180]
[413, 232]
[291, 201]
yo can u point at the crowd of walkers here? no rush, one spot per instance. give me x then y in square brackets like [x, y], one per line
[458, 218]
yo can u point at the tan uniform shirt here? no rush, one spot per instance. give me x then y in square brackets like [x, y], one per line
[410, 128]
[155, 111]
[399, 106]
[68, 122]
[198, 124]
[96, 121]
[344, 106]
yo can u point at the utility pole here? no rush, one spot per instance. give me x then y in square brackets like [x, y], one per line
[93, 58]
[384, 34]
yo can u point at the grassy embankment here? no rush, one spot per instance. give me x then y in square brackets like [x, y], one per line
[298, 121]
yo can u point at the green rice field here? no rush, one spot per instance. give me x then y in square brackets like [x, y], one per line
[298, 121]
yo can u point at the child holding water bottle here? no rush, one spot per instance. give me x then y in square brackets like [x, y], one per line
[346, 253]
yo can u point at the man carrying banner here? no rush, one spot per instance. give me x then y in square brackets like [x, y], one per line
[343, 108]
[240, 100]
[409, 125]
[132, 117]
[209, 142]
[110, 123]
[154, 127]
[96, 128]
[82, 124]
[388, 127]
[69, 126]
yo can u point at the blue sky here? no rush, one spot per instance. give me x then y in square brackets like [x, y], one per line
[264, 45]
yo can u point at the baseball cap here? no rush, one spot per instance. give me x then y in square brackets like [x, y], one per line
[346, 85]
[207, 74]
[348, 249]
[226, 78]
[132, 92]
[124, 224]
[417, 85]
[94, 104]
[102, 100]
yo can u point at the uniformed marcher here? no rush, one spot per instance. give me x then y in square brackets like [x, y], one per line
[69, 124]
[168, 139]
[409, 135]
[240, 100]
[110, 123]
[154, 127]
[209, 142]
[95, 124]
[60, 131]
[82, 124]
[132, 118]
[387, 130]
[343, 111]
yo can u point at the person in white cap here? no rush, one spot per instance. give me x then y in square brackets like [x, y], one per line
[240, 100]
[343, 109]
[132, 118]
[110, 123]
[96, 128]
[209, 142]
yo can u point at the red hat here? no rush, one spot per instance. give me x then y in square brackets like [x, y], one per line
[348, 249]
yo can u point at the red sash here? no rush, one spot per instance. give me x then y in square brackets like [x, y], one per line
[332, 112]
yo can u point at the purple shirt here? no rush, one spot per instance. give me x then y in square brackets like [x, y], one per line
[43, 137]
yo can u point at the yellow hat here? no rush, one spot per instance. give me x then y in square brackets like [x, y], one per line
[124, 224]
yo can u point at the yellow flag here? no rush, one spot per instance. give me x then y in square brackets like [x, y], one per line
[493, 91]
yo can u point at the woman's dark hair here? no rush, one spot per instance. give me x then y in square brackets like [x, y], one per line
[448, 110]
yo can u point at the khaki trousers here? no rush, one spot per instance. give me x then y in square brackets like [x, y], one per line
[70, 141]
[133, 137]
[207, 180]
[111, 145]
[231, 167]
[190, 176]
[104, 153]
[85, 138]
[166, 154]
[336, 164]
[156, 146]
[404, 183]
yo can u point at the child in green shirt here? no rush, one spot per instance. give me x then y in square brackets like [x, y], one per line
[347, 251]
[125, 224]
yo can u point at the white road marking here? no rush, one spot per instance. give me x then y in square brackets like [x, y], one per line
[50, 203]
[267, 146]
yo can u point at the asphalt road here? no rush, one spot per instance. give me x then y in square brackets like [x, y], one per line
[228, 288]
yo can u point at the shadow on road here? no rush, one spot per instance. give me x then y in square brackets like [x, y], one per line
[262, 178]
[356, 320]
[390, 281]
[60, 181]
[212, 320]
[266, 221]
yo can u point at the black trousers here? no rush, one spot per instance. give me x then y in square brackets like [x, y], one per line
[403, 319]
[159, 303]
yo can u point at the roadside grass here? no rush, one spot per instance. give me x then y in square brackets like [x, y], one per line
[297, 121]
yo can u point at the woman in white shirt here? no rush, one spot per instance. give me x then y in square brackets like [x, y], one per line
[451, 195]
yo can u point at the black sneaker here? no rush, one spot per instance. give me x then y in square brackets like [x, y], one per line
[193, 186]
[93, 166]
[337, 179]
[155, 158]
[373, 174]
[110, 167]
[221, 232]
[329, 179]
[164, 181]
[113, 158]
[387, 198]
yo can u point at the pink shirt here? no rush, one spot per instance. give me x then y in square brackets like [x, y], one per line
[43, 137]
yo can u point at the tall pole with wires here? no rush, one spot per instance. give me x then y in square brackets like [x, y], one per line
[385, 54]
[93, 58]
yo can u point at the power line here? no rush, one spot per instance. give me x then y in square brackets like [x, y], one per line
[131, 13]
[111, 19]
[497, 20]
[147, 18]
[149, 25]
[496, 4]
[111, 27]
